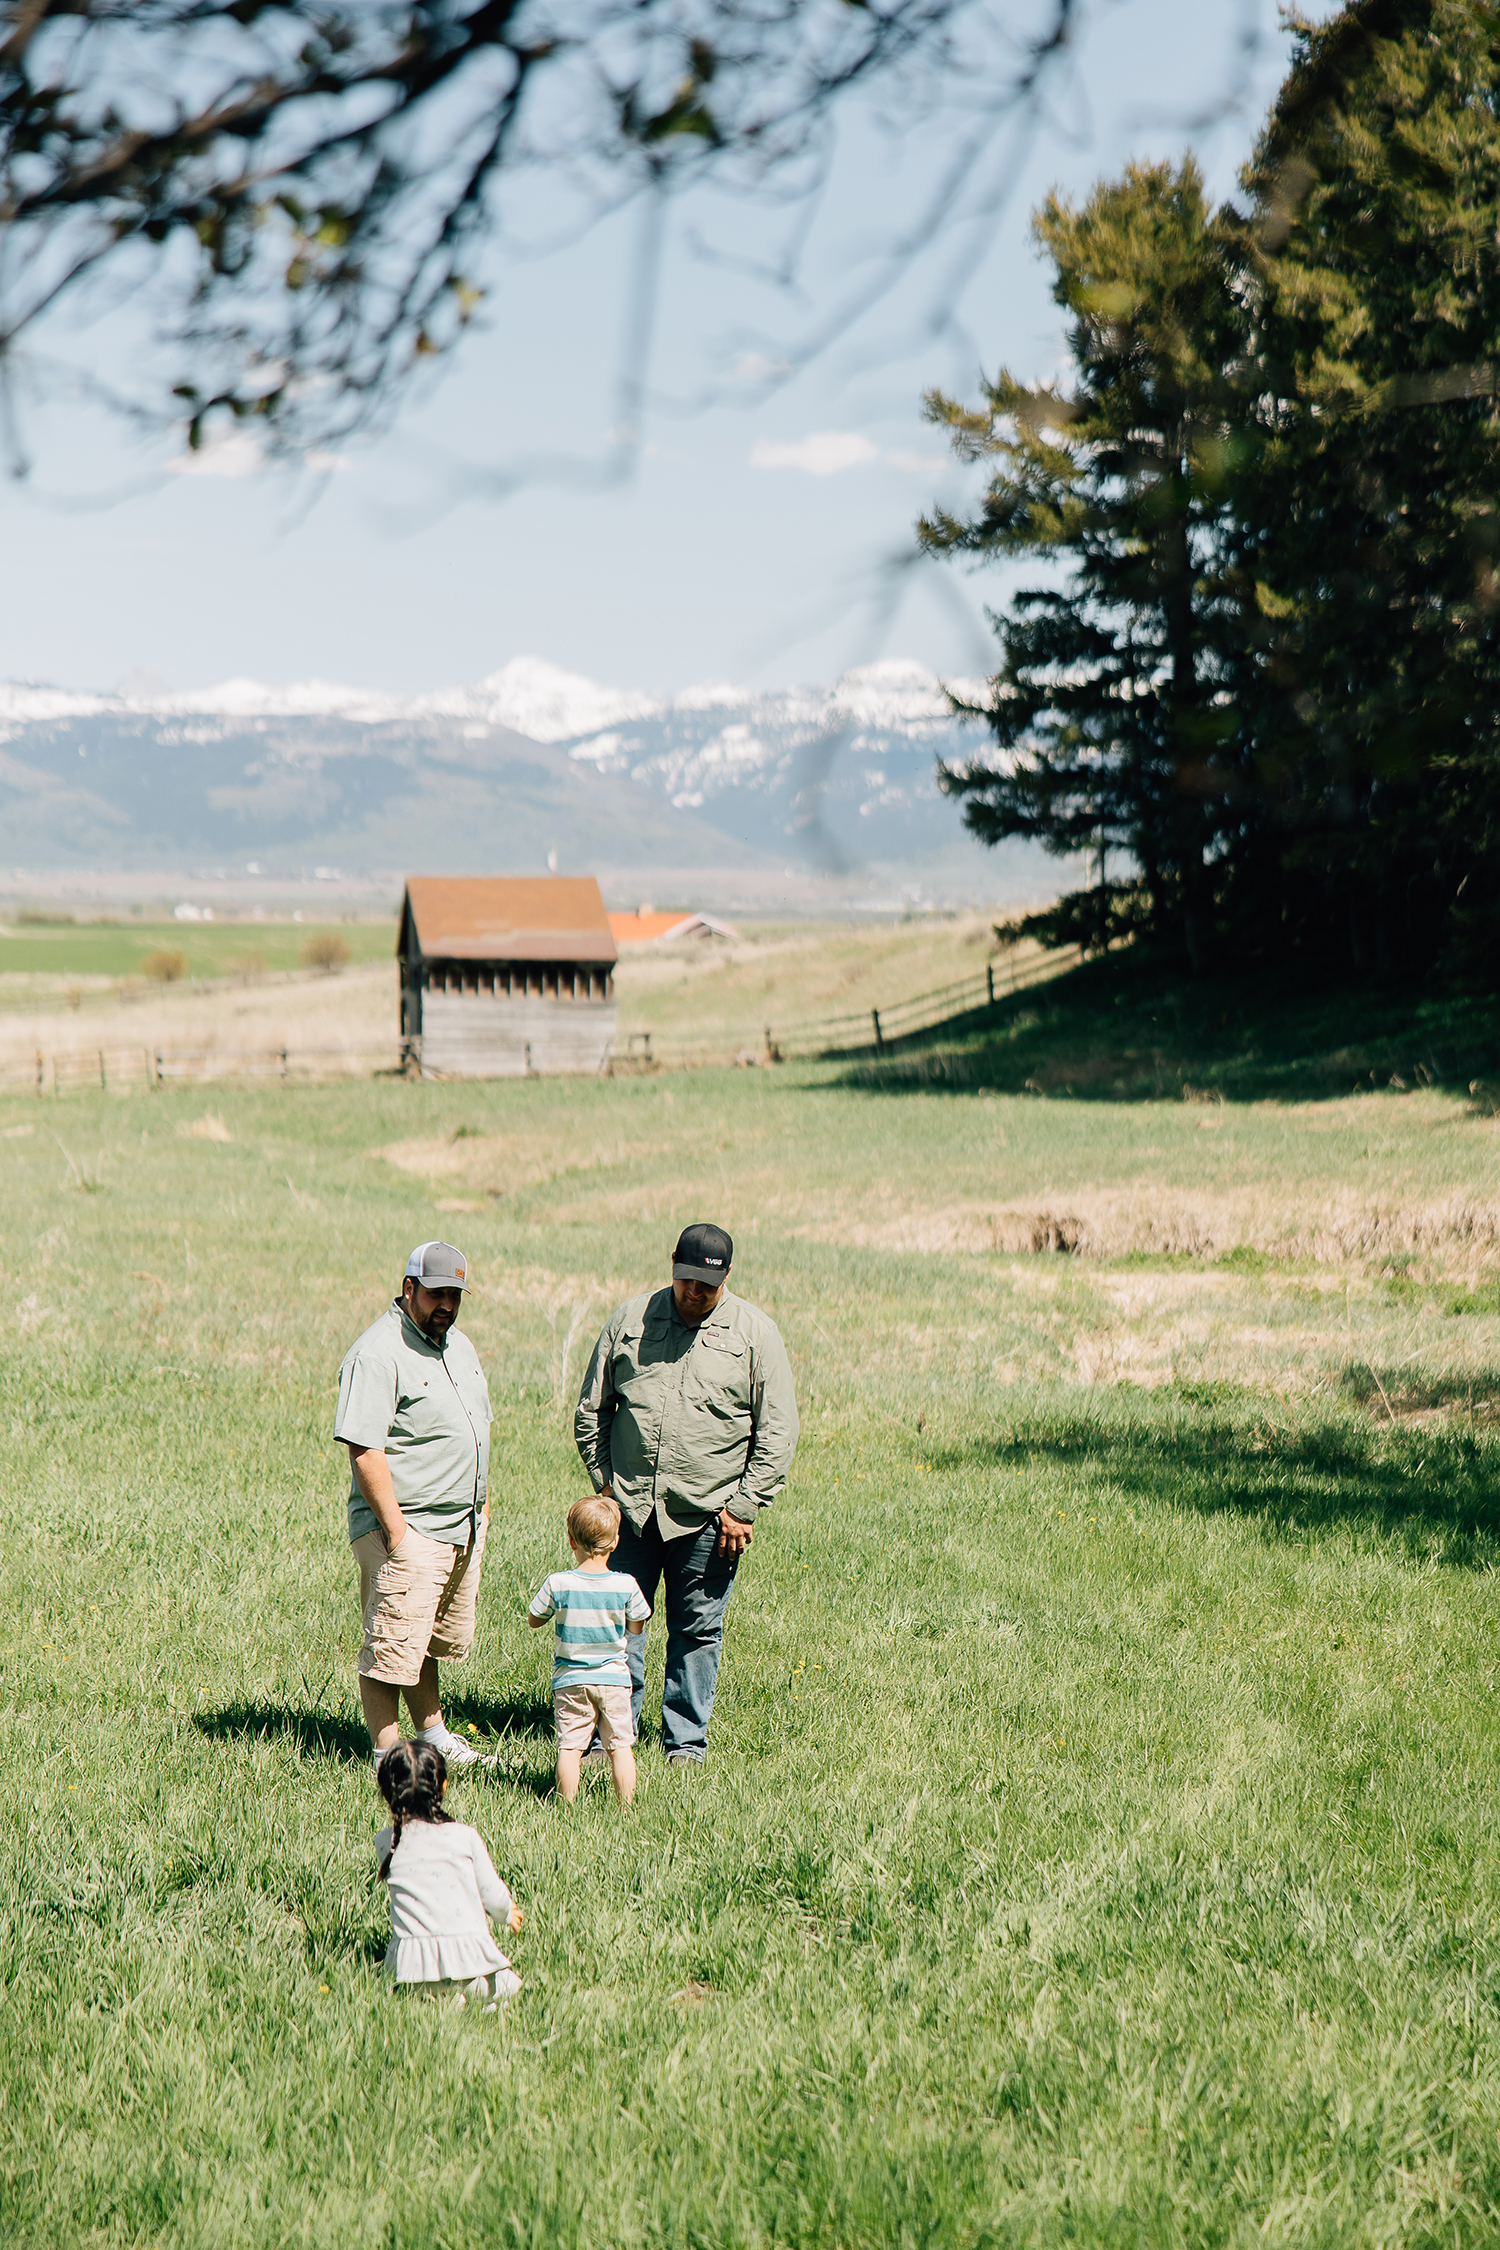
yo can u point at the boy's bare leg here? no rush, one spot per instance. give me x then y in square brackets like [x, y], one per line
[622, 1767]
[567, 1774]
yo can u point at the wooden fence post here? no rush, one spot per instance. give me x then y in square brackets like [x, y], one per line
[41, 1071]
[989, 978]
[875, 1019]
[101, 1070]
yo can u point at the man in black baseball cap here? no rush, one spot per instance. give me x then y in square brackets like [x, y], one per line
[700, 1268]
[688, 1419]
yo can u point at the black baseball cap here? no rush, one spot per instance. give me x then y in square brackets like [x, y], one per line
[703, 1253]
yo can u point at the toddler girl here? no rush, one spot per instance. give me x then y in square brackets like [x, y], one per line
[443, 1887]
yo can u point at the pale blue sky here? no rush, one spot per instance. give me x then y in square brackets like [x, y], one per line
[723, 555]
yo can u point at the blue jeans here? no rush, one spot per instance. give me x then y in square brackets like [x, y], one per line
[699, 1583]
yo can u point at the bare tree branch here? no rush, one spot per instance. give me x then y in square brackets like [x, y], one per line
[299, 184]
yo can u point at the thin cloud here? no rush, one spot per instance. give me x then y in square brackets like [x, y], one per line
[827, 453]
[754, 367]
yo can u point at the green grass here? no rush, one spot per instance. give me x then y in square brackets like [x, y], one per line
[1121, 1030]
[1098, 1843]
[691, 996]
[210, 949]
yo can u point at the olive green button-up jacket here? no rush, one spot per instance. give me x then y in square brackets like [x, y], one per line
[701, 1418]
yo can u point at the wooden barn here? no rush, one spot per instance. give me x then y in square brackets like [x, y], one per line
[505, 976]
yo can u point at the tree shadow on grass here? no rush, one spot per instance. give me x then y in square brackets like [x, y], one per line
[1129, 1029]
[1436, 1493]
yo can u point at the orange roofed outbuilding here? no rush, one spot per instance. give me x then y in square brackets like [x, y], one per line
[647, 927]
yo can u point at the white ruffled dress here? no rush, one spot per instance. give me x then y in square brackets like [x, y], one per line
[444, 1892]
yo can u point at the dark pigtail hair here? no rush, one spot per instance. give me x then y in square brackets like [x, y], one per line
[411, 1777]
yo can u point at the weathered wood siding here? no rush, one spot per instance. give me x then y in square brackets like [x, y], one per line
[489, 1035]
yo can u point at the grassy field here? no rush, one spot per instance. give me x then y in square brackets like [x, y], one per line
[40, 955]
[1098, 1840]
[693, 995]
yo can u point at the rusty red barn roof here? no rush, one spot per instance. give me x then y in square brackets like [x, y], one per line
[505, 918]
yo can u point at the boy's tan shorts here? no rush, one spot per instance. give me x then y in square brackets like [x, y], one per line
[580, 1709]
[418, 1602]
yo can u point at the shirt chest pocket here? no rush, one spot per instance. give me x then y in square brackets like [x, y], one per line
[720, 1377]
[423, 1415]
[638, 1369]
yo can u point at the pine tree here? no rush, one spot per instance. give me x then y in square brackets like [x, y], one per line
[1374, 516]
[1268, 662]
[1115, 708]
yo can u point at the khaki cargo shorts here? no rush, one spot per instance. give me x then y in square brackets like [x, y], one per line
[416, 1603]
[579, 1709]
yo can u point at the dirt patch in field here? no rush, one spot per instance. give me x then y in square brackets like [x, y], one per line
[1453, 1231]
[489, 1165]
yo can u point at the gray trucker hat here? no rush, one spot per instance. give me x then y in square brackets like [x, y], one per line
[437, 1265]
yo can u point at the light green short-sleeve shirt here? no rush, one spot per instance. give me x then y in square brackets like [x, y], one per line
[427, 1407]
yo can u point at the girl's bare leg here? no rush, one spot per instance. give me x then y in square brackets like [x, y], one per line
[567, 1774]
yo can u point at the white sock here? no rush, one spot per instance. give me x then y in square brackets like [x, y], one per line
[437, 1733]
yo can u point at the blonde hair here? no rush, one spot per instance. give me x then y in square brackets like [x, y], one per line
[594, 1524]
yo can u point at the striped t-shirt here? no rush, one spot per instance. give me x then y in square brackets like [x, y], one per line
[591, 1608]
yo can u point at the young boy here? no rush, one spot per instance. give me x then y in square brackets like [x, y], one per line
[595, 1608]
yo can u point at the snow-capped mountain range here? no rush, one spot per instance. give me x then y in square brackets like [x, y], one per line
[532, 760]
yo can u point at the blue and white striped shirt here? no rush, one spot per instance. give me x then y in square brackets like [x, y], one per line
[592, 1608]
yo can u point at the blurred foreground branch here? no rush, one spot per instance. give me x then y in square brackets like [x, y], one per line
[301, 188]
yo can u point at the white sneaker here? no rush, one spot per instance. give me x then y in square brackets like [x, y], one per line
[455, 1750]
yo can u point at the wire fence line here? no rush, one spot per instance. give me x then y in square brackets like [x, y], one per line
[860, 1031]
[133, 1069]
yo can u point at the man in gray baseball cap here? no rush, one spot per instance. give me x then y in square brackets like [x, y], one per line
[414, 1411]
